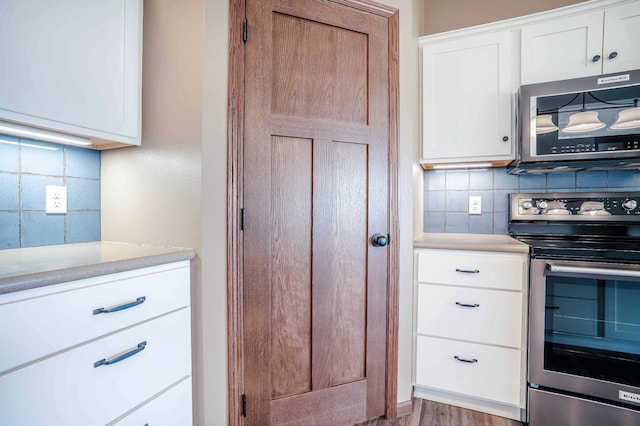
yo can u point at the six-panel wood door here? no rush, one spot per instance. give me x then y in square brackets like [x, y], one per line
[316, 189]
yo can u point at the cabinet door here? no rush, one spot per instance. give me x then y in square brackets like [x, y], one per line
[562, 48]
[467, 93]
[72, 66]
[622, 35]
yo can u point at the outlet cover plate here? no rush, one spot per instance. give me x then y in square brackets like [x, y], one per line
[475, 204]
[56, 199]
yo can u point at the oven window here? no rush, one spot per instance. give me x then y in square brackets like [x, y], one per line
[592, 328]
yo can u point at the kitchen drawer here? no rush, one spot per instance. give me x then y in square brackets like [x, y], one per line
[475, 269]
[45, 324]
[494, 373]
[168, 409]
[68, 389]
[496, 319]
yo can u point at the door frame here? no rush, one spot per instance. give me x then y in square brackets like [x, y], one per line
[235, 146]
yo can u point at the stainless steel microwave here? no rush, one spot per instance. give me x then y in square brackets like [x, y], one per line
[590, 123]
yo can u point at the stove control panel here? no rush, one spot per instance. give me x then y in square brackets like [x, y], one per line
[584, 207]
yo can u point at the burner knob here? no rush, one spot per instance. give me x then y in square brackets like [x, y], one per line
[542, 205]
[527, 205]
[629, 204]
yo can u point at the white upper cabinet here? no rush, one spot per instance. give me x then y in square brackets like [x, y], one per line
[467, 92]
[73, 66]
[598, 42]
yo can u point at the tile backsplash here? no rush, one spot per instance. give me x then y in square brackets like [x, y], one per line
[446, 197]
[26, 167]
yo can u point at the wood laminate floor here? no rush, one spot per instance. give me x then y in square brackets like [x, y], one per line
[429, 413]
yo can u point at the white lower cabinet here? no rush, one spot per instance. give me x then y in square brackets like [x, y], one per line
[98, 369]
[470, 329]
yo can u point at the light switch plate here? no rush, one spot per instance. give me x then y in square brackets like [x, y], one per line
[56, 199]
[475, 204]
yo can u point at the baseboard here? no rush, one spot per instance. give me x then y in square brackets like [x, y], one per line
[405, 408]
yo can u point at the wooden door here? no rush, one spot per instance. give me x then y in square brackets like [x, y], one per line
[316, 189]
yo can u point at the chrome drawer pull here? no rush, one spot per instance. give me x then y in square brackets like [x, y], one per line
[121, 356]
[468, 361]
[468, 305]
[468, 271]
[120, 307]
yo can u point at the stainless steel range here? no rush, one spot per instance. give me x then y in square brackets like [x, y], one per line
[584, 306]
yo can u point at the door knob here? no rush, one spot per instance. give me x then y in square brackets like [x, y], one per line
[379, 240]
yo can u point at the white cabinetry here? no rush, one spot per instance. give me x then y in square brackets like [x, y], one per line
[467, 92]
[593, 43]
[470, 329]
[67, 362]
[73, 66]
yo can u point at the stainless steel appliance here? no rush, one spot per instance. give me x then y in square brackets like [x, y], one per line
[584, 306]
[585, 123]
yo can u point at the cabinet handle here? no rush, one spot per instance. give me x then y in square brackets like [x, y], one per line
[468, 361]
[121, 356]
[612, 55]
[596, 58]
[505, 138]
[468, 305]
[552, 308]
[468, 271]
[120, 307]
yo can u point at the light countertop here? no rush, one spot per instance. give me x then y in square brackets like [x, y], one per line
[26, 268]
[471, 242]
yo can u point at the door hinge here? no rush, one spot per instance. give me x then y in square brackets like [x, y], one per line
[245, 30]
[244, 405]
[242, 219]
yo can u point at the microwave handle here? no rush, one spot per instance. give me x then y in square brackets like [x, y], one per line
[593, 271]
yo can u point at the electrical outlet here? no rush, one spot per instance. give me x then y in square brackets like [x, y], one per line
[56, 199]
[475, 204]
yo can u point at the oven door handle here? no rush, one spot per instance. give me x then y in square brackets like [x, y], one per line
[592, 271]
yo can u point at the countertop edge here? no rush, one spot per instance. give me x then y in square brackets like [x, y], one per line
[470, 242]
[42, 279]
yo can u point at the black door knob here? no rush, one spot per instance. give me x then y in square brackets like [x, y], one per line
[596, 58]
[613, 55]
[379, 240]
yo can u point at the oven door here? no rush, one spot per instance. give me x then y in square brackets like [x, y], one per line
[585, 329]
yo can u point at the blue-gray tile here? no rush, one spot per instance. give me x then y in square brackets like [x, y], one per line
[501, 200]
[9, 230]
[9, 197]
[533, 181]
[502, 180]
[434, 180]
[486, 200]
[41, 158]
[434, 222]
[591, 180]
[457, 180]
[434, 201]
[500, 222]
[41, 229]
[83, 194]
[457, 201]
[481, 223]
[83, 227]
[34, 191]
[457, 222]
[561, 180]
[623, 178]
[83, 163]
[481, 179]
[9, 154]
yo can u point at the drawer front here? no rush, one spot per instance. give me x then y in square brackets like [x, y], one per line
[169, 409]
[495, 375]
[68, 389]
[491, 270]
[478, 315]
[40, 326]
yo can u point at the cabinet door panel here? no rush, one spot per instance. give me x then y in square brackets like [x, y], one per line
[562, 48]
[483, 316]
[622, 35]
[68, 389]
[467, 87]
